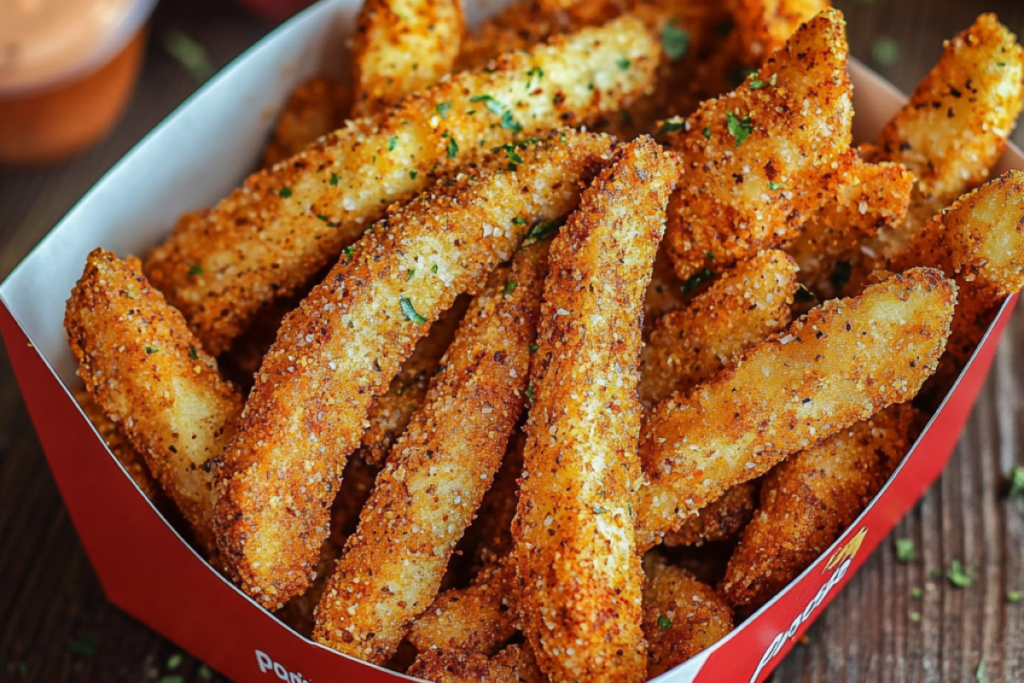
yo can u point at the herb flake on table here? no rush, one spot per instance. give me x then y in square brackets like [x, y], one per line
[189, 54]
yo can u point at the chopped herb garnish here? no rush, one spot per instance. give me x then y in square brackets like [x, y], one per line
[622, 63]
[741, 74]
[348, 252]
[710, 255]
[189, 54]
[174, 661]
[323, 218]
[334, 179]
[905, 549]
[150, 350]
[914, 617]
[83, 647]
[1016, 482]
[510, 287]
[1000, 64]
[443, 109]
[885, 51]
[533, 348]
[512, 155]
[1013, 597]
[599, 511]
[915, 593]
[192, 353]
[669, 126]
[195, 271]
[803, 295]
[695, 281]
[664, 623]
[535, 72]
[674, 41]
[518, 220]
[539, 232]
[841, 273]
[739, 128]
[433, 269]
[957, 576]
[706, 133]
[413, 174]
[529, 394]
[410, 274]
[773, 185]
[453, 147]
[284, 192]
[392, 143]
[757, 83]
[410, 311]
[492, 104]
[508, 122]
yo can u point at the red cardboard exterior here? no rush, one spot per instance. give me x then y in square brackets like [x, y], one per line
[149, 570]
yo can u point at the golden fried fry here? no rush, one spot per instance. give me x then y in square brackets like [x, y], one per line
[344, 344]
[493, 526]
[390, 413]
[720, 520]
[842, 363]
[401, 46]
[438, 471]
[809, 500]
[875, 197]
[118, 443]
[284, 225]
[152, 377]
[514, 664]
[760, 160]
[764, 26]
[574, 528]
[314, 109]
[682, 616]
[740, 309]
[478, 619]
[978, 241]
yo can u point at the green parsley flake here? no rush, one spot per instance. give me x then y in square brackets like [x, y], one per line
[840, 276]
[905, 549]
[710, 255]
[535, 72]
[518, 220]
[510, 287]
[533, 348]
[757, 83]
[540, 232]
[914, 617]
[189, 54]
[622, 63]
[433, 269]
[739, 128]
[174, 661]
[885, 51]
[192, 353]
[150, 350]
[411, 273]
[1013, 597]
[512, 155]
[957, 576]
[453, 147]
[443, 109]
[392, 143]
[195, 271]
[669, 126]
[413, 174]
[599, 511]
[530, 395]
[706, 133]
[803, 295]
[348, 252]
[774, 186]
[664, 623]
[508, 122]
[674, 41]
[410, 312]
[284, 192]
[695, 281]
[915, 593]
[83, 647]
[1016, 482]
[492, 104]
[334, 180]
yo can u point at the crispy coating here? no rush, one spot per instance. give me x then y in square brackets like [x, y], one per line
[682, 616]
[740, 309]
[113, 435]
[720, 520]
[979, 241]
[808, 500]
[493, 526]
[477, 619]
[574, 528]
[875, 197]
[842, 363]
[401, 46]
[344, 344]
[314, 109]
[152, 377]
[764, 26]
[514, 664]
[760, 160]
[285, 224]
[664, 292]
[390, 413]
[438, 471]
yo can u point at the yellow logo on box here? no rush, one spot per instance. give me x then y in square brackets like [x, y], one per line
[847, 551]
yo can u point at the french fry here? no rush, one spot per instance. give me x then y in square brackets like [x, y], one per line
[978, 241]
[682, 616]
[574, 533]
[314, 109]
[269, 237]
[344, 344]
[152, 377]
[493, 526]
[720, 520]
[401, 46]
[514, 664]
[808, 500]
[759, 160]
[840, 364]
[438, 471]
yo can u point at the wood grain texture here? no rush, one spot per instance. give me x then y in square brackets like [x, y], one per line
[49, 596]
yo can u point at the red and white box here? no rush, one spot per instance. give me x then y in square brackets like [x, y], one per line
[194, 158]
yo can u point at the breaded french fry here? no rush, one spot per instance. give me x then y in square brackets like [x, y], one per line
[682, 616]
[401, 46]
[113, 435]
[438, 471]
[978, 241]
[390, 413]
[757, 162]
[875, 197]
[720, 520]
[574, 528]
[764, 26]
[151, 376]
[269, 237]
[314, 109]
[740, 309]
[493, 526]
[514, 664]
[477, 619]
[344, 344]
[840, 364]
[809, 500]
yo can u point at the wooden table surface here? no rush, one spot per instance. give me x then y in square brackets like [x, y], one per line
[56, 626]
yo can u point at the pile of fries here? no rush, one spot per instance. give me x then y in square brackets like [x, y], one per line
[506, 342]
